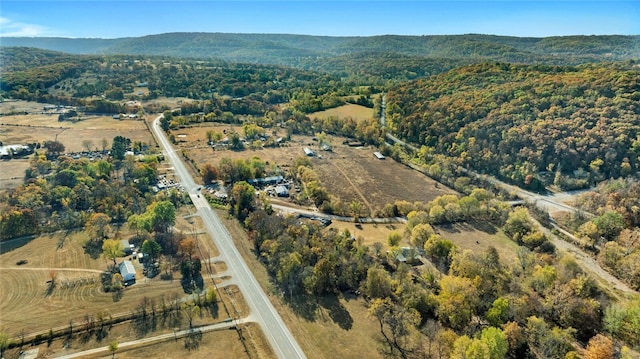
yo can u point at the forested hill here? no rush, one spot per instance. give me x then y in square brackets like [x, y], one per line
[579, 124]
[298, 50]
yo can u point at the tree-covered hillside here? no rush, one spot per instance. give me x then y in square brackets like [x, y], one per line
[580, 123]
[293, 50]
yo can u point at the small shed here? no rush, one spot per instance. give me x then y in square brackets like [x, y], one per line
[128, 272]
[379, 155]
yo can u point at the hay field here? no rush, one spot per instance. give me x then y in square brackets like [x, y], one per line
[355, 174]
[27, 304]
[356, 112]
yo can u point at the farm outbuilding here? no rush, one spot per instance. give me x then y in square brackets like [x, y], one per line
[265, 181]
[379, 155]
[128, 272]
[282, 191]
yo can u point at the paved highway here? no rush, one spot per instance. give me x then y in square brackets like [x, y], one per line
[282, 342]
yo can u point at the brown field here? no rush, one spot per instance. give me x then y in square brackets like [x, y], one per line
[356, 112]
[476, 237]
[22, 129]
[355, 174]
[12, 172]
[28, 306]
[24, 288]
[220, 344]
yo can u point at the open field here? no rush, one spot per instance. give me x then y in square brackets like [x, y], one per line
[24, 288]
[23, 129]
[476, 237]
[12, 172]
[355, 174]
[356, 112]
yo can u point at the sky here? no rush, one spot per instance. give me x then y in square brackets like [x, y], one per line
[131, 18]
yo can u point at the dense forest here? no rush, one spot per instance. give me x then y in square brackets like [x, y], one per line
[572, 126]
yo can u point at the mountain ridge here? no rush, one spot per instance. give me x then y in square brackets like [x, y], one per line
[290, 48]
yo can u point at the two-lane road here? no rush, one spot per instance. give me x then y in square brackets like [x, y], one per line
[282, 342]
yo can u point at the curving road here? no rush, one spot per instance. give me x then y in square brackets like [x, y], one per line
[282, 342]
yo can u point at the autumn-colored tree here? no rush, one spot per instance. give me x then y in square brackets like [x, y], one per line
[113, 346]
[151, 248]
[209, 173]
[191, 310]
[457, 301]
[393, 239]
[396, 323]
[98, 225]
[242, 200]
[112, 249]
[187, 247]
[378, 283]
[599, 347]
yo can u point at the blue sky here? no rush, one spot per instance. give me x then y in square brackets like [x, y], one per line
[123, 18]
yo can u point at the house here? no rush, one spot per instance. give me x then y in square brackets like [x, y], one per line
[309, 152]
[379, 155]
[128, 273]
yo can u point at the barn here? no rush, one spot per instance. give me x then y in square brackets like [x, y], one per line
[128, 273]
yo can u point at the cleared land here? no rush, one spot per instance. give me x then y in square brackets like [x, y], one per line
[355, 174]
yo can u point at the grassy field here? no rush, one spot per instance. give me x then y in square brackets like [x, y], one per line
[12, 172]
[28, 305]
[23, 129]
